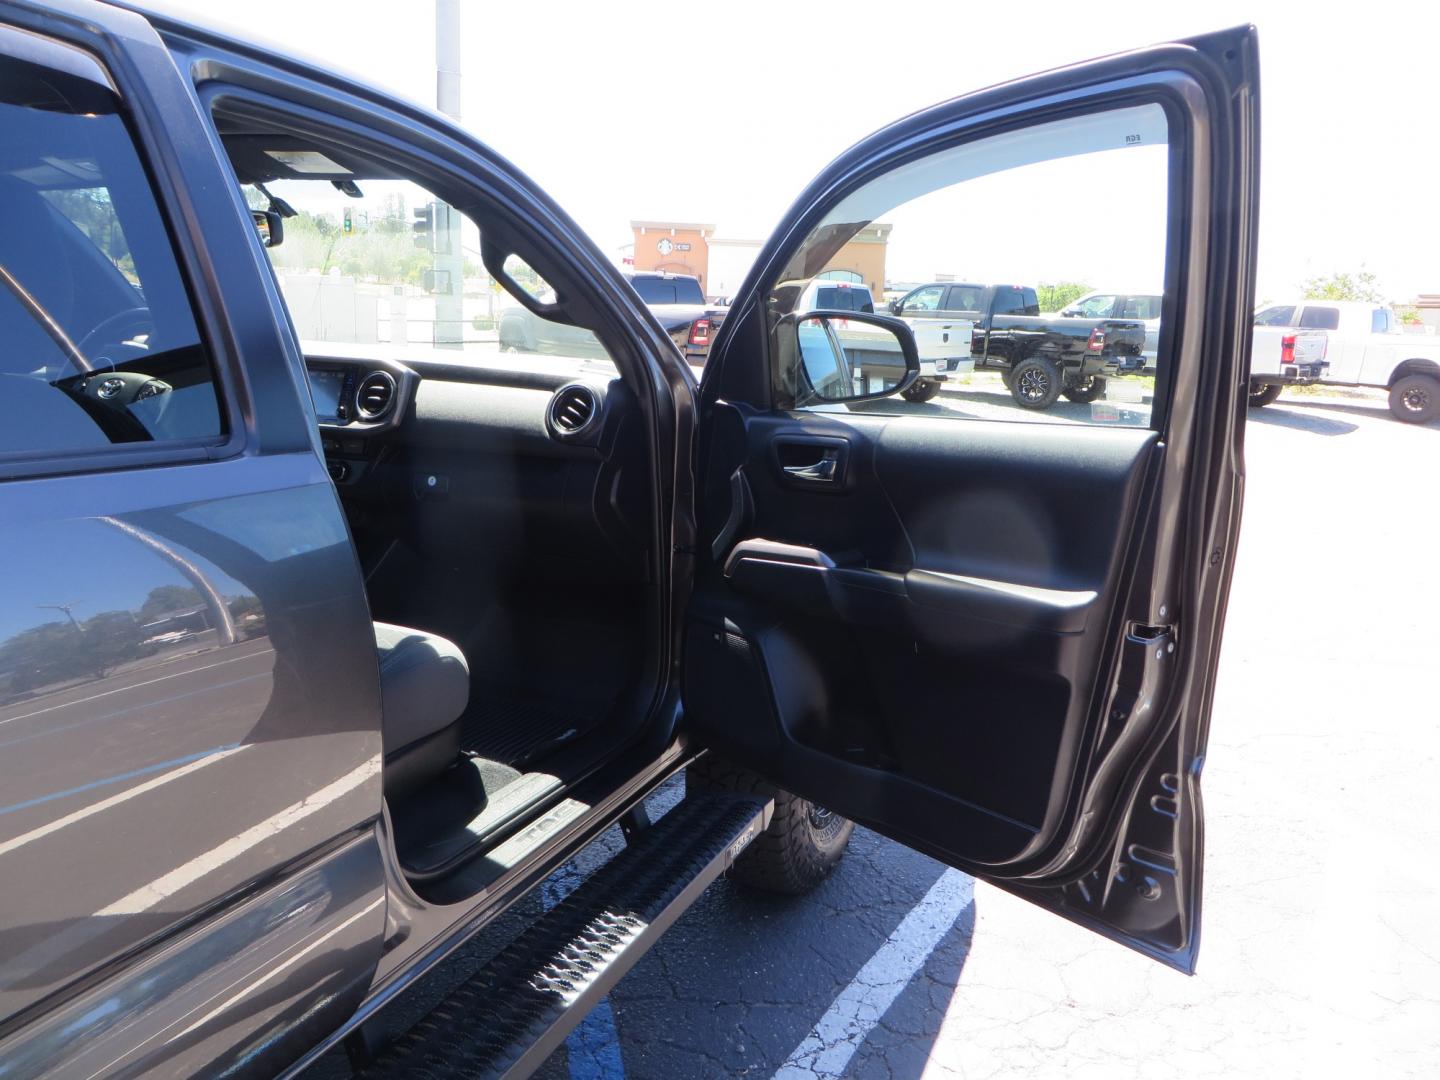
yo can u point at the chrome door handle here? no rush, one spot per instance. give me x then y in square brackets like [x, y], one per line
[822, 470]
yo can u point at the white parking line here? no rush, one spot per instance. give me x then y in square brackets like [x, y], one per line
[833, 1041]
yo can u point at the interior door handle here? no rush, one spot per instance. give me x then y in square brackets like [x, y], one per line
[822, 471]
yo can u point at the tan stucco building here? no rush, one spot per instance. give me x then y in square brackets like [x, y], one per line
[676, 247]
[682, 247]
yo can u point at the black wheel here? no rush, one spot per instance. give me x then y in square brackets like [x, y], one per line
[1262, 394]
[803, 843]
[921, 390]
[1034, 383]
[1087, 391]
[1415, 398]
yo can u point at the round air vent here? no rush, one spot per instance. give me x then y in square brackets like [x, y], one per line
[573, 410]
[375, 395]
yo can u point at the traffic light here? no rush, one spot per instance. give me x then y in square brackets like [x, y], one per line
[348, 224]
[424, 227]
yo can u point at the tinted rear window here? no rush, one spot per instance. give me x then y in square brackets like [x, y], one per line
[1320, 318]
[678, 290]
[837, 299]
[1015, 302]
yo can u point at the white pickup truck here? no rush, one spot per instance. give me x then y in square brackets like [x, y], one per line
[1365, 347]
[1282, 356]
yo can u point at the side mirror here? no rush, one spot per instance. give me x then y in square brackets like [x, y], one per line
[841, 356]
[270, 225]
[895, 307]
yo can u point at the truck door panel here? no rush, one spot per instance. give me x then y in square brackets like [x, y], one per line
[989, 638]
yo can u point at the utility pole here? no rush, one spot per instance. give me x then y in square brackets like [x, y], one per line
[449, 263]
[68, 609]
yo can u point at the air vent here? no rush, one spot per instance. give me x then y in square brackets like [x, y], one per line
[375, 395]
[573, 410]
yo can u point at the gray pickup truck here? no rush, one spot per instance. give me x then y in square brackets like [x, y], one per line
[315, 661]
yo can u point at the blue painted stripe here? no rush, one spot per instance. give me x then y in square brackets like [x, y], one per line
[593, 1048]
[117, 779]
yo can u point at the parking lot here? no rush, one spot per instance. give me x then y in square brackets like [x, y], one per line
[1321, 952]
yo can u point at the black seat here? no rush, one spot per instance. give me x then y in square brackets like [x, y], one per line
[424, 687]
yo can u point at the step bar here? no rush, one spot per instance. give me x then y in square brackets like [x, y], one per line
[508, 1017]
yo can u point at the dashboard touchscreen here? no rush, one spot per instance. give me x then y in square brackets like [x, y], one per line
[326, 387]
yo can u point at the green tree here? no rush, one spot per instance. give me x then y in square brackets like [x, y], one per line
[164, 599]
[1357, 286]
[1055, 297]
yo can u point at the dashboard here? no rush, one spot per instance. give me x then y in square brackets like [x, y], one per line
[537, 464]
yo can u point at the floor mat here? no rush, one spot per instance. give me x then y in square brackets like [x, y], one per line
[514, 731]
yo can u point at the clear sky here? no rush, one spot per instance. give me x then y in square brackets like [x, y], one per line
[608, 107]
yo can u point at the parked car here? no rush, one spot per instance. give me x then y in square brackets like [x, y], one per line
[463, 617]
[1367, 347]
[824, 294]
[1144, 306]
[1040, 357]
[675, 299]
[1282, 356]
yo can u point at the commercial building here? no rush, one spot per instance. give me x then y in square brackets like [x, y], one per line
[721, 263]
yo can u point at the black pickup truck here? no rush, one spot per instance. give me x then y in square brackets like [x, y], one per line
[1039, 356]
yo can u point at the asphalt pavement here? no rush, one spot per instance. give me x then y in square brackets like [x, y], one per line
[1321, 946]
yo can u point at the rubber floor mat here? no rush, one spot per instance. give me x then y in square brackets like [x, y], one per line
[514, 731]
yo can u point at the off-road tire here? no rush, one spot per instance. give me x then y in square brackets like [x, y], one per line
[1415, 399]
[921, 390]
[794, 854]
[1093, 388]
[1262, 394]
[1035, 383]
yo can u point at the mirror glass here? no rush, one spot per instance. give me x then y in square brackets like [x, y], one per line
[847, 360]
[268, 224]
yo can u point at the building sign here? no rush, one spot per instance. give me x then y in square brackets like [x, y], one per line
[665, 246]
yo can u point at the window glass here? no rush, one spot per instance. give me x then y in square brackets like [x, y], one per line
[382, 261]
[1096, 307]
[1381, 321]
[980, 210]
[835, 298]
[925, 299]
[1278, 315]
[1139, 307]
[1320, 318]
[964, 297]
[100, 340]
[668, 290]
[1010, 300]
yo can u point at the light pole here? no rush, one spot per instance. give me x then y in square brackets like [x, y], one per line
[449, 263]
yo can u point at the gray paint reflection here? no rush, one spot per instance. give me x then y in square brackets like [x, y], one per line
[203, 712]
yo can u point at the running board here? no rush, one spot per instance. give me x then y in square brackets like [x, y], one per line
[508, 1017]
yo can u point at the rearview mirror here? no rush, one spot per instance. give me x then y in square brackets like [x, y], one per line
[844, 356]
[270, 225]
